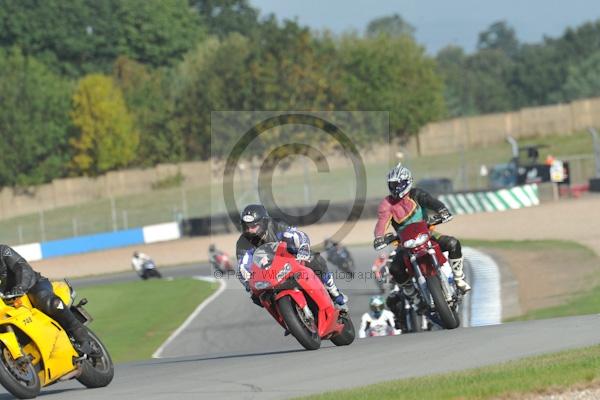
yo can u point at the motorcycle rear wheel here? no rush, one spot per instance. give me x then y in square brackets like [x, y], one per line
[347, 335]
[20, 380]
[96, 372]
[309, 339]
[441, 306]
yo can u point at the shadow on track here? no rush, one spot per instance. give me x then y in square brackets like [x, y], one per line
[165, 361]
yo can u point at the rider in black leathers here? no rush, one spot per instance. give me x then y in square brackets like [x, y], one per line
[17, 279]
[258, 228]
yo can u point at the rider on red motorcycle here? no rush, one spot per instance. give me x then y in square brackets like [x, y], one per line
[406, 205]
[378, 264]
[259, 228]
[218, 259]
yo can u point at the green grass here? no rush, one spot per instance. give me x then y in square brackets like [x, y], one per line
[134, 318]
[548, 245]
[163, 205]
[582, 304]
[536, 374]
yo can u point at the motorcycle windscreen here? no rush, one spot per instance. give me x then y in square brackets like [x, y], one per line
[264, 255]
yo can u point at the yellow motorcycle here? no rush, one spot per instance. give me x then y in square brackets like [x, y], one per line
[35, 351]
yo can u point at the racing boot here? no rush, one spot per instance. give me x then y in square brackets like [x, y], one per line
[409, 290]
[459, 275]
[338, 297]
[83, 342]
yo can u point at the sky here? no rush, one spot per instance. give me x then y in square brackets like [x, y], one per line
[441, 22]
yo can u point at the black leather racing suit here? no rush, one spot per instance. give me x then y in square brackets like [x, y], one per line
[16, 275]
[275, 233]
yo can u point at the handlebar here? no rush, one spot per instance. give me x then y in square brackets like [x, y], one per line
[431, 221]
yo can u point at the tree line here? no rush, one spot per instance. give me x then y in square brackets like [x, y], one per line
[91, 86]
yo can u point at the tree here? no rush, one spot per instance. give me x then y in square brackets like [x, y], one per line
[499, 36]
[157, 32]
[107, 138]
[583, 80]
[486, 75]
[34, 121]
[451, 63]
[395, 75]
[222, 17]
[392, 25]
[149, 97]
[84, 36]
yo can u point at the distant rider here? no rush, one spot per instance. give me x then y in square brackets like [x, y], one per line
[406, 205]
[17, 278]
[378, 319]
[214, 256]
[378, 265]
[138, 260]
[259, 228]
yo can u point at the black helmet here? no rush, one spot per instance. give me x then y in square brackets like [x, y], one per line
[211, 247]
[136, 254]
[254, 220]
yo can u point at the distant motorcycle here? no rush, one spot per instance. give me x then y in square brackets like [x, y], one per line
[383, 278]
[339, 256]
[407, 318]
[431, 272]
[221, 263]
[149, 270]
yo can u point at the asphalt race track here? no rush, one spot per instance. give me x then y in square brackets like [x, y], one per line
[234, 350]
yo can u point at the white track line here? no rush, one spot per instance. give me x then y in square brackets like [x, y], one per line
[210, 299]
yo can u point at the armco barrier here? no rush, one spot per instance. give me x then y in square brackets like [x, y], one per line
[101, 241]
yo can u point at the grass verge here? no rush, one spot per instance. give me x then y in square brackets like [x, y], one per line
[582, 304]
[554, 372]
[532, 245]
[134, 318]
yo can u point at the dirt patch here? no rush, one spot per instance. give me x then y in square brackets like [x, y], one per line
[548, 277]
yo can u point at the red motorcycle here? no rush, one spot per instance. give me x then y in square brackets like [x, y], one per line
[297, 299]
[222, 263]
[430, 272]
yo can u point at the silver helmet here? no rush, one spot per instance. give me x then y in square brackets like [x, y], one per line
[400, 181]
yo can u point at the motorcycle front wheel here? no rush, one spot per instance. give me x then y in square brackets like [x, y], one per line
[18, 377]
[305, 331]
[97, 371]
[347, 335]
[441, 306]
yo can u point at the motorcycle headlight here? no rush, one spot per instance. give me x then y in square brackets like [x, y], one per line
[261, 285]
[419, 240]
[284, 271]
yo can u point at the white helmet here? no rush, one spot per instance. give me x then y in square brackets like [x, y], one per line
[400, 181]
[376, 305]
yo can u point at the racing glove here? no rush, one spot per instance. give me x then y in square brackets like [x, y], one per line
[379, 243]
[303, 253]
[16, 291]
[445, 214]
